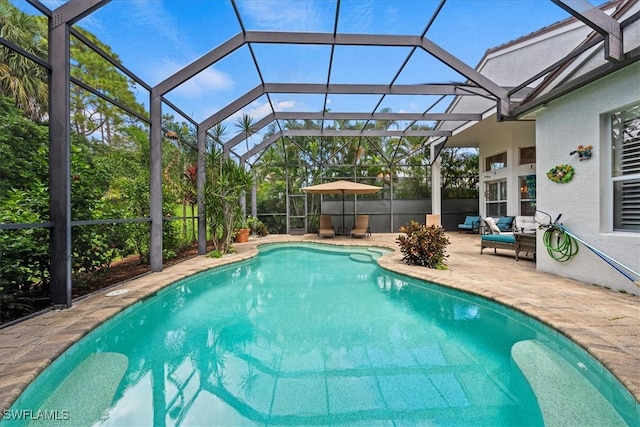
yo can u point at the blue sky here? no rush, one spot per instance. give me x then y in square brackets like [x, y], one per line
[156, 38]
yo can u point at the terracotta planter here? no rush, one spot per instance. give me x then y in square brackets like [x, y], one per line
[242, 235]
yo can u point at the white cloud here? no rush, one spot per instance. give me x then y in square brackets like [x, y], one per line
[199, 86]
[258, 109]
[280, 15]
[152, 15]
[204, 83]
[361, 19]
[285, 105]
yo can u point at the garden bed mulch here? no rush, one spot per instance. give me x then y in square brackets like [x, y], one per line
[125, 269]
[118, 272]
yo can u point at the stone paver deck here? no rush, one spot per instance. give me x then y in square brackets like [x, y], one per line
[604, 322]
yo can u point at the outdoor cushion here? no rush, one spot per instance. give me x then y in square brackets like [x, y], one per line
[326, 228]
[491, 224]
[470, 223]
[362, 226]
[502, 238]
[505, 223]
[525, 224]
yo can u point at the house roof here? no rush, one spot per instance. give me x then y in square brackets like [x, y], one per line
[521, 59]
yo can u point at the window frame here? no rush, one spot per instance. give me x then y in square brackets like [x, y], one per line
[496, 159]
[500, 202]
[526, 160]
[618, 176]
[525, 199]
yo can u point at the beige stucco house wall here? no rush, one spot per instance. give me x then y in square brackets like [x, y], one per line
[555, 129]
[583, 117]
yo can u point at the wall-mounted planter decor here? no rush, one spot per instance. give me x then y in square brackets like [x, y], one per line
[561, 173]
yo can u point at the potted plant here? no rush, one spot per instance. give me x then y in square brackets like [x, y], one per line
[242, 230]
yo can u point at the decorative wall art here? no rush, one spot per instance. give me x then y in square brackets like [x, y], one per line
[584, 153]
[561, 173]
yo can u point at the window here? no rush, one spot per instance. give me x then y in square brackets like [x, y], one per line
[527, 195]
[496, 198]
[625, 168]
[498, 161]
[527, 155]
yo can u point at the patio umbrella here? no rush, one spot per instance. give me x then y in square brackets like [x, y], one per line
[342, 187]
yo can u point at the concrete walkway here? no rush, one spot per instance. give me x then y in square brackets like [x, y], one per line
[604, 322]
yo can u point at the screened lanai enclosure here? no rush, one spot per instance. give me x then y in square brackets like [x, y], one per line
[133, 129]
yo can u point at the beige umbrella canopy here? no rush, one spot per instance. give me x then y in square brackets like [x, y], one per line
[342, 187]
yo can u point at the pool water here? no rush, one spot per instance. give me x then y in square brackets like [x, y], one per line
[319, 335]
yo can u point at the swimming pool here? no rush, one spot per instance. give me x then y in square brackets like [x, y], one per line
[313, 334]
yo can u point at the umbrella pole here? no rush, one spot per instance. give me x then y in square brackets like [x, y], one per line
[344, 229]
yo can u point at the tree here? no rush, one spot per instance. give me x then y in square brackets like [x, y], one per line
[92, 116]
[24, 254]
[246, 125]
[226, 182]
[23, 150]
[20, 78]
[460, 172]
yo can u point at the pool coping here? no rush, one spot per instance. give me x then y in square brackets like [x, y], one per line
[603, 322]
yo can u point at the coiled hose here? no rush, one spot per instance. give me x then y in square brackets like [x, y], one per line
[560, 245]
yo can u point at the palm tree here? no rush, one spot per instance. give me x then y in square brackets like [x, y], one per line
[246, 125]
[20, 77]
[217, 134]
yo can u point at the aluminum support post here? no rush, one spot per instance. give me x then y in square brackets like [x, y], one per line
[155, 184]
[254, 196]
[60, 166]
[391, 229]
[436, 188]
[201, 182]
[60, 145]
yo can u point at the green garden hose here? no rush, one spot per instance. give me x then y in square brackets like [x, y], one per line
[560, 245]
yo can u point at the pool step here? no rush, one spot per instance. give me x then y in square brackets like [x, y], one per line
[564, 395]
[88, 391]
[378, 252]
[365, 258]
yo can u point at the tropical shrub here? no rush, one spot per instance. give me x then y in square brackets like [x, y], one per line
[423, 246]
[226, 183]
[216, 253]
[257, 227]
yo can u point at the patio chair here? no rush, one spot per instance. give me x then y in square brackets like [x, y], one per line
[326, 228]
[471, 224]
[362, 227]
[495, 238]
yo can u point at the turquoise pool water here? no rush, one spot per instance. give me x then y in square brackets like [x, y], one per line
[319, 335]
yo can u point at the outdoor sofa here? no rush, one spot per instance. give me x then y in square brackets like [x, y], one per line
[471, 224]
[522, 239]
